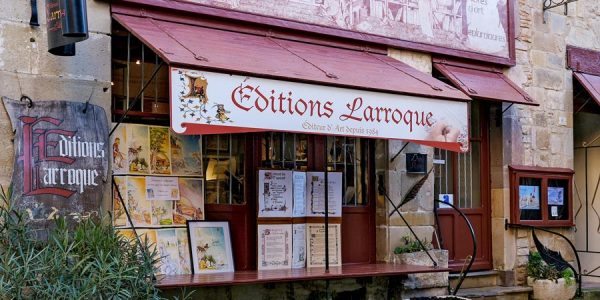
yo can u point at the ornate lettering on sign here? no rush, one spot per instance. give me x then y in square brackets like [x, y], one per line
[241, 103]
[61, 159]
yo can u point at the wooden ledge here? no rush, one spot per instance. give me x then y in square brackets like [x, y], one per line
[287, 275]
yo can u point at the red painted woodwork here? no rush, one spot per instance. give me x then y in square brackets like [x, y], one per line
[544, 174]
[583, 60]
[456, 237]
[482, 82]
[265, 56]
[275, 276]
[591, 83]
[201, 11]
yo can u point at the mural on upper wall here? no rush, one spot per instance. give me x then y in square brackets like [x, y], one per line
[479, 26]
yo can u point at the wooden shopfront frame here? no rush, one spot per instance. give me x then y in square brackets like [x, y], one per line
[543, 175]
[243, 217]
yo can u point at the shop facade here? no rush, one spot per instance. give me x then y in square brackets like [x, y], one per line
[519, 87]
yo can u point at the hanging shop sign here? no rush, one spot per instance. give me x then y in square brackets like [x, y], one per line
[213, 103]
[66, 24]
[61, 159]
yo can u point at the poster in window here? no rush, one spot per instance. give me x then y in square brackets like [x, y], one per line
[184, 250]
[168, 252]
[160, 150]
[191, 203]
[275, 193]
[556, 196]
[315, 244]
[186, 154]
[529, 197]
[138, 152]
[173, 249]
[274, 246]
[139, 208]
[119, 152]
[119, 216]
[162, 188]
[315, 194]
[162, 212]
[299, 185]
[210, 244]
[298, 245]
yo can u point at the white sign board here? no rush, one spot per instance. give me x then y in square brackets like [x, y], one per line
[213, 103]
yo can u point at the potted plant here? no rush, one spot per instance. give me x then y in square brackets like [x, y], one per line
[547, 282]
[411, 252]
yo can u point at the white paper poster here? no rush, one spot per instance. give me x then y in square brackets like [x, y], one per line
[315, 238]
[299, 194]
[162, 188]
[274, 246]
[315, 191]
[275, 193]
[299, 245]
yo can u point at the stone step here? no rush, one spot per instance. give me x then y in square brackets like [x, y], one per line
[496, 293]
[476, 279]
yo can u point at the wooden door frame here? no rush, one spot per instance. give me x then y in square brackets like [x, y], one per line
[484, 246]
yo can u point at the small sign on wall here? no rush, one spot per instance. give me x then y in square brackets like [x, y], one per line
[416, 163]
[447, 199]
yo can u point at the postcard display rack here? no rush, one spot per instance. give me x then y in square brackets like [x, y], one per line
[159, 176]
[291, 219]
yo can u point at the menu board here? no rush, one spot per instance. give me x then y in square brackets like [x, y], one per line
[275, 193]
[274, 246]
[315, 244]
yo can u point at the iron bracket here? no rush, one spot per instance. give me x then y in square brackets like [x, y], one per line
[549, 4]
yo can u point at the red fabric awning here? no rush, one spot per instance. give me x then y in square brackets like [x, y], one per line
[483, 83]
[187, 44]
[591, 83]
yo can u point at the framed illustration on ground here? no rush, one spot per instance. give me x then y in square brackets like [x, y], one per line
[210, 247]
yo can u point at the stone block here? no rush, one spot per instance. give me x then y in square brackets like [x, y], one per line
[417, 60]
[547, 78]
[417, 218]
[426, 280]
[542, 138]
[25, 50]
[538, 58]
[381, 244]
[498, 200]
[397, 233]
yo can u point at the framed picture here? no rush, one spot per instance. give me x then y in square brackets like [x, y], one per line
[529, 197]
[210, 247]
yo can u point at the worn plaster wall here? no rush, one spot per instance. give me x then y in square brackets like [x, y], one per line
[26, 68]
[540, 136]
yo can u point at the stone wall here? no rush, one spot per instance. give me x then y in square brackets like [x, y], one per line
[540, 136]
[26, 68]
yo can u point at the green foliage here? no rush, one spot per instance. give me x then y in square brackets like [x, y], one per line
[87, 261]
[568, 275]
[538, 269]
[410, 245]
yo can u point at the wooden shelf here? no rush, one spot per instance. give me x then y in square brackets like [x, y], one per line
[287, 275]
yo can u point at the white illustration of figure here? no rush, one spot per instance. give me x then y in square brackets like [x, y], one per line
[426, 17]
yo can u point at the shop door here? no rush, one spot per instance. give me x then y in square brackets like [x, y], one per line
[464, 177]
